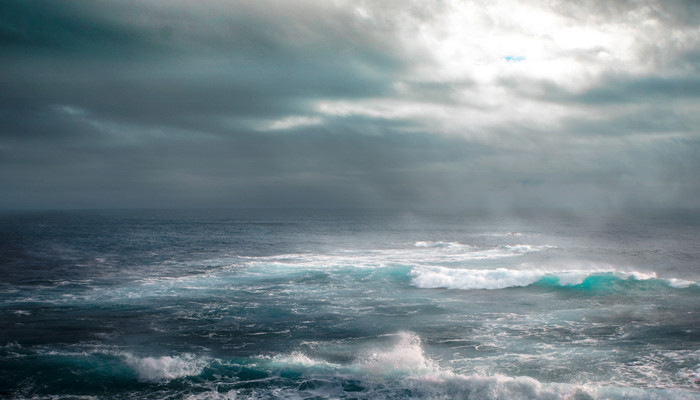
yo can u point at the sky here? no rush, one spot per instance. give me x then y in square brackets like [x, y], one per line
[498, 104]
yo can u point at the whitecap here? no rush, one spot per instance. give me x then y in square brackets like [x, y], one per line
[680, 283]
[155, 369]
[405, 356]
[431, 244]
[299, 359]
[449, 278]
[433, 277]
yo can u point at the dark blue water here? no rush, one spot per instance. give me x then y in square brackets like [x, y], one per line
[331, 304]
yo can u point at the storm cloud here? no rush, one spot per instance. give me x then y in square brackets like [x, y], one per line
[444, 104]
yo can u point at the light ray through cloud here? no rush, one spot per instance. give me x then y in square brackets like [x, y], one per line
[593, 100]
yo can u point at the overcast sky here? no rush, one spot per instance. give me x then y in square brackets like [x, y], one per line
[587, 104]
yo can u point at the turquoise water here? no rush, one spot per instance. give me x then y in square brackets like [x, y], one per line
[292, 304]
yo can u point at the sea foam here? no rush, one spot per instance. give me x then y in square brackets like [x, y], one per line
[431, 277]
[406, 356]
[155, 369]
[442, 277]
[405, 366]
[403, 370]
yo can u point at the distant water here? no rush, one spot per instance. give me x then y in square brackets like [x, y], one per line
[316, 305]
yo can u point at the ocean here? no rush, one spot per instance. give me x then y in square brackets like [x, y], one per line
[343, 304]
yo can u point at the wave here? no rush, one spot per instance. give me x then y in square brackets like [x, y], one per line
[204, 277]
[399, 369]
[429, 244]
[166, 368]
[419, 253]
[299, 359]
[405, 356]
[108, 358]
[451, 278]
[403, 370]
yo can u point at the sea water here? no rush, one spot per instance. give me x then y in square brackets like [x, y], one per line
[352, 305]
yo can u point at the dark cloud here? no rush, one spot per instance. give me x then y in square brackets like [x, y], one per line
[339, 104]
[215, 61]
[249, 168]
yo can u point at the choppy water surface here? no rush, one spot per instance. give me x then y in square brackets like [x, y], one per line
[243, 304]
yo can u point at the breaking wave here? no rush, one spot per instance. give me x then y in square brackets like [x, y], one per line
[157, 369]
[402, 370]
[451, 278]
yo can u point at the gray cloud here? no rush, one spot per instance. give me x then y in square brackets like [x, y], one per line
[339, 104]
[642, 90]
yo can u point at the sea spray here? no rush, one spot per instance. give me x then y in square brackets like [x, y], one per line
[164, 368]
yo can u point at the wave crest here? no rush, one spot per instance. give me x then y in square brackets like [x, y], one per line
[450, 278]
[155, 369]
[403, 370]
[406, 356]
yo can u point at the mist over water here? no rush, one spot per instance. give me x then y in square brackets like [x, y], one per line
[226, 304]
